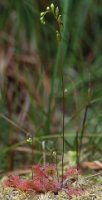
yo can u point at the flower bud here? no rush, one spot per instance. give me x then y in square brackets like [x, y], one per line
[57, 11]
[42, 13]
[54, 154]
[52, 7]
[48, 8]
[59, 18]
[41, 19]
[58, 35]
[29, 140]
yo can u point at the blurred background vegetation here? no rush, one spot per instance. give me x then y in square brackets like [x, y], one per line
[31, 100]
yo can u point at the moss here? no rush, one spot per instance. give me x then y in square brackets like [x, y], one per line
[91, 190]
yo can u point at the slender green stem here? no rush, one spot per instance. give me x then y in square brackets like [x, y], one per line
[62, 126]
[83, 125]
[77, 148]
[44, 152]
[62, 47]
[57, 167]
[84, 120]
[32, 147]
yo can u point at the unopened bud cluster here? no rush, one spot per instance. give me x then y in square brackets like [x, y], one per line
[55, 12]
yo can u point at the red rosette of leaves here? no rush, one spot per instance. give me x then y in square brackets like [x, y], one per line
[44, 180]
